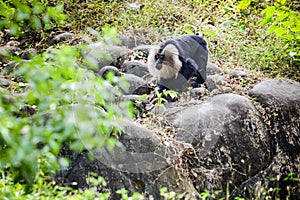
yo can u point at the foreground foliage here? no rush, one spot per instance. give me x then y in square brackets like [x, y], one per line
[21, 16]
[56, 104]
[36, 116]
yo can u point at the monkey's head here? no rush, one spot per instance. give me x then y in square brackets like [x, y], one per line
[164, 62]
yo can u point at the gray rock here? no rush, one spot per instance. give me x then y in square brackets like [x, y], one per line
[238, 73]
[212, 69]
[229, 137]
[138, 163]
[135, 83]
[12, 67]
[136, 67]
[62, 37]
[198, 92]
[213, 81]
[106, 69]
[6, 51]
[98, 55]
[130, 97]
[131, 41]
[281, 100]
[27, 54]
[144, 48]
[80, 40]
[137, 151]
[4, 82]
[133, 98]
[226, 89]
[13, 43]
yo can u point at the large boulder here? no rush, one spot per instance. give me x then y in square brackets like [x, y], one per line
[279, 102]
[280, 99]
[224, 143]
[229, 137]
[139, 162]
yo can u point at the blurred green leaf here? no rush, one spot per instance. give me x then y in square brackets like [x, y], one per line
[209, 32]
[269, 11]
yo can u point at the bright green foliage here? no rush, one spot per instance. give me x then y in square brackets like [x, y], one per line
[160, 99]
[125, 196]
[22, 15]
[243, 4]
[69, 104]
[44, 189]
[285, 22]
[275, 49]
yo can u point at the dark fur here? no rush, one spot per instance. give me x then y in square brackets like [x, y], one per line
[192, 53]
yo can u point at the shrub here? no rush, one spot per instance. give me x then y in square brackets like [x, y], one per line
[281, 37]
[71, 106]
[21, 15]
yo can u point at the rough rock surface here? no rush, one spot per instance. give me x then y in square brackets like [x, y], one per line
[62, 37]
[98, 55]
[281, 100]
[4, 82]
[213, 81]
[138, 163]
[238, 73]
[5, 51]
[212, 69]
[131, 41]
[137, 68]
[135, 83]
[228, 134]
[225, 140]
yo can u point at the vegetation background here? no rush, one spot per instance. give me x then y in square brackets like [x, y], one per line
[261, 36]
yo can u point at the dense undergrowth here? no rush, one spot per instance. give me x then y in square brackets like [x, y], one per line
[237, 31]
[241, 34]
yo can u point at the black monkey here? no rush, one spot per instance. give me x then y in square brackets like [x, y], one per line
[177, 60]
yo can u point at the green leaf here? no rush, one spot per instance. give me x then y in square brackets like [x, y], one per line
[142, 97]
[265, 21]
[295, 29]
[209, 32]
[163, 190]
[36, 23]
[244, 4]
[189, 31]
[288, 23]
[282, 2]
[282, 17]
[280, 31]
[38, 8]
[272, 28]
[269, 11]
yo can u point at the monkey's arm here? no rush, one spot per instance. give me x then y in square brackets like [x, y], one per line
[188, 69]
[192, 69]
